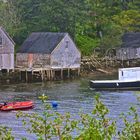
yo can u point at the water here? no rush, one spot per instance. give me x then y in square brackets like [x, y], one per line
[72, 96]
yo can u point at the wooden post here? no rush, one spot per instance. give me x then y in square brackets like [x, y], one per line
[78, 71]
[42, 75]
[32, 75]
[51, 74]
[48, 74]
[61, 73]
[8, 72]
[68, 73]
[26, 75]
[45, 74]
[20, 77]
[54, 75]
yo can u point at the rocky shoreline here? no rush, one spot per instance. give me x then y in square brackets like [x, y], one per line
[89, 68]
[14, 77]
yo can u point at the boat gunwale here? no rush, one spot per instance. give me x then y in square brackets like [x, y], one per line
[113, 81]
[14, 106]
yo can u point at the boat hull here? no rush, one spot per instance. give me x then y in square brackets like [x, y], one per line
[118, 85]
[17, 106]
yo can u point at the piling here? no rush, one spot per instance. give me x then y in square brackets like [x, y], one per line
[43, 74]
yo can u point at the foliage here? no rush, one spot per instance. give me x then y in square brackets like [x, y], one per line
[49, 124]
[9, 18]
[132, 128]
[5, 133]
[128, 20]
[91, 23]
[97, 125]
[86, 44]
[94, 126]
[50, 16]
[89, 126]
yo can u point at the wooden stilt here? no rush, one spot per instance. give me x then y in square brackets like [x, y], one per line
[42, 75]
[50, 74]
[20, 78]
[26, 76]
[68, 73]
[45, 75]
[32, 75]
[8, 72]
[78, 71]
[61, 73]
[53, 74]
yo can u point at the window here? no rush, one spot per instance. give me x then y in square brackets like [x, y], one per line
[122, 73]
[0, 41]
[67, 44]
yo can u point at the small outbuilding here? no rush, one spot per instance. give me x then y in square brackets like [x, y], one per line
[6, 51]
[48, 51]
[130, 48]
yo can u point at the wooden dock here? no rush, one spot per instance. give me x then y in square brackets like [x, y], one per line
[46, 74]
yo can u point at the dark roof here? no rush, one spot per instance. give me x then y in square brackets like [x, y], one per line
[131, 39]
[41, 42]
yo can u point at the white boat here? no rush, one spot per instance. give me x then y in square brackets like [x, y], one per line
[128, 79]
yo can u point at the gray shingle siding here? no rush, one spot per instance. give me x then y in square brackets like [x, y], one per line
[6, 50]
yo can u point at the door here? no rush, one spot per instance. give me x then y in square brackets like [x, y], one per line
[6, 63]
[30, 60]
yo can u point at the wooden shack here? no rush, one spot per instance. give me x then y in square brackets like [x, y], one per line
[130, 48]
[6, 51]
[49, 52]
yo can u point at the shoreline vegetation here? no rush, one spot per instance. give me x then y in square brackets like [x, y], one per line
[89, 67]
[99, 24]
[93, 126]
[91, 24]
[94, 26]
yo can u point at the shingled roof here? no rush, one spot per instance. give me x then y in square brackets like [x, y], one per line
[131, 39]
[41, 42]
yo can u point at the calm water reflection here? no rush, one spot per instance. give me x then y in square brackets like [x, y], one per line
[72, 96]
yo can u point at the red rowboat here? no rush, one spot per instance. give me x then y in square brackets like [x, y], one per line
[17, 106]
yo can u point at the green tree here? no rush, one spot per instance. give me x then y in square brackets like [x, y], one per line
[50, 15]
[91, 23]
[128, 20]
[9, 19]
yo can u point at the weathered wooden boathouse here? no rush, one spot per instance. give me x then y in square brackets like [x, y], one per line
[130, 48]
[6, 51]
[50, 55]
